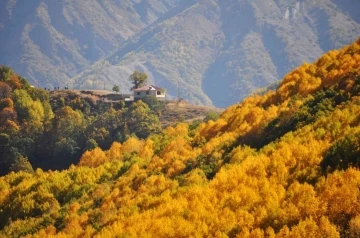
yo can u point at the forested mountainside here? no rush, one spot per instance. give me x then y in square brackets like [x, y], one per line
[285, 164]
[211, 52]
[51, 129]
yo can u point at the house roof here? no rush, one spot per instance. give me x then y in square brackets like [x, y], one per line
[148, 87]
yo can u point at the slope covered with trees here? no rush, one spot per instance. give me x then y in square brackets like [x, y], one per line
[284, 164]
[50, 130]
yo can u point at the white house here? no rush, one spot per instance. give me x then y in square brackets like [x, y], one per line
[149, 90]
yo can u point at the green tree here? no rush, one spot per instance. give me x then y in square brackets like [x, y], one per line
[138, 79]
[27, 108]
[116, 88]
[44, 97]
[5, 73]
[343, 154]
[8, 156]
[66, 152]
[211, 116]
[104, 127]
[91, 144]
[141, 120]
[4, 151]
[154, 104]
[4, 140]
[21, 164]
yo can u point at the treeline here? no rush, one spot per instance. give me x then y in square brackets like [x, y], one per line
[285, 164]
[37, 131]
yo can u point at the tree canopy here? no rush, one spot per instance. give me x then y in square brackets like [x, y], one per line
[284, 164]
[116, 88]
[138, 79]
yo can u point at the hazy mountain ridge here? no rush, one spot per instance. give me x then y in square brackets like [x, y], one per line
[242, 46]
[210, 52]
[54, 40]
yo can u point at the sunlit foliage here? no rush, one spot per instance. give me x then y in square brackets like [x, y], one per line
[285, 164]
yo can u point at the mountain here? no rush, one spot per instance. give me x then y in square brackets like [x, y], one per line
[209, 52]
[51, 41]
[284, 164]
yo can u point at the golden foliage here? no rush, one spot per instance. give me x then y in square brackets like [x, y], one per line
[93, 158]
[161, 186]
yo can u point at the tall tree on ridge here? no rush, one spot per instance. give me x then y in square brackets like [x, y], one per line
[138, 79]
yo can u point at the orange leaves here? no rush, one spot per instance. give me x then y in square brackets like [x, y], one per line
[311, 228]
[175, 155]
[326, 71]
[118, 151]
[240, 154]
[132, 145]
[14, 82]
[93, 158]
[5, 90]
[115, 151]
[301, 81]
[354, 226]
[75, 224]
[161, 187]
[7, 114]
[147, 150]
[325, 60]
[181, 129]
[340, 191]
[213, 128]
[217, 143]
[302, 202]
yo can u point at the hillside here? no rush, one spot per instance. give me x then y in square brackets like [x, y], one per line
[182, 111]
[50, 129]
[212, 52]
[285, 164]
[170, 113]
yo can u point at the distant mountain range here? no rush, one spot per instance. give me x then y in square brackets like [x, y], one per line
[206, 51]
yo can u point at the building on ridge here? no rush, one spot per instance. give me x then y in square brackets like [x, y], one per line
[150, 90]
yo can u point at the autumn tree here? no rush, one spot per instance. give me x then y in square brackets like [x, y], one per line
[141, 120]
[5, 90]
[7, 114]
[93, 158]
